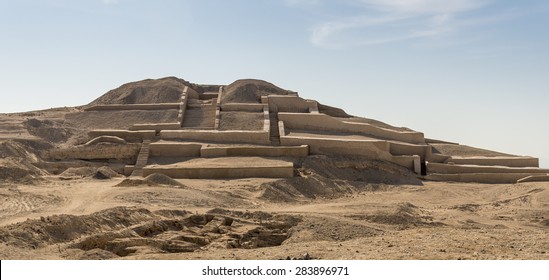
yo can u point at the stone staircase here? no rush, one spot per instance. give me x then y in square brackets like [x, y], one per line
[200, 114]
[142, 158]
[274, 134]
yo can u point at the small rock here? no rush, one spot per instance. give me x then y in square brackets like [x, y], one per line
[228, 221]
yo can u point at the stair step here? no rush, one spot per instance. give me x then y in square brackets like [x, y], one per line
[142, 158]
[274, 133]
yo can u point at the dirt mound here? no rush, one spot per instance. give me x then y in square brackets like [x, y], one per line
[295, 189]
[101, 173]
[153, 180]
[12, 170]
[79, 171]
[27, 149]
[124, 231]
[356, 168]
[161, 179]
[314, 228]
[134, 182]
[403, 216]
[19, 160]
[63, 228]
[336, 176]
[50, 130]
[250, 91]
[164, 90]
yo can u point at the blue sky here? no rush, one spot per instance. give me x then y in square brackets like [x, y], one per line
[469, 71]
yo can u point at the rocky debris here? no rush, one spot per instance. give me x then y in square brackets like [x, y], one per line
[104, 173]
[122, 231]
[255, 215]
[304, 257]
[227, 221]
[64, 228]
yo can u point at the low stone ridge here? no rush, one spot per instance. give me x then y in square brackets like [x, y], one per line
[250, 128]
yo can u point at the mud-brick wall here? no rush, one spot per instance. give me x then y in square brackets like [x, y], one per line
[322, 122]
[99, 151]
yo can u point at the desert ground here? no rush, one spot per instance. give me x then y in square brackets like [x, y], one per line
[93, 219]
[334, 206]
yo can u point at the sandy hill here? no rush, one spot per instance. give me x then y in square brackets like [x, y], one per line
[165, 90]
[251, 91]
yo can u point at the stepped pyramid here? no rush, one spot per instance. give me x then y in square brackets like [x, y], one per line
[252, 128]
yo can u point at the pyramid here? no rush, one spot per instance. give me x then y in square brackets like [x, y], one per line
[251, 128]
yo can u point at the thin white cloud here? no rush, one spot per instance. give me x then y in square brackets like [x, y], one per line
[385, 21]
[323, 33]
